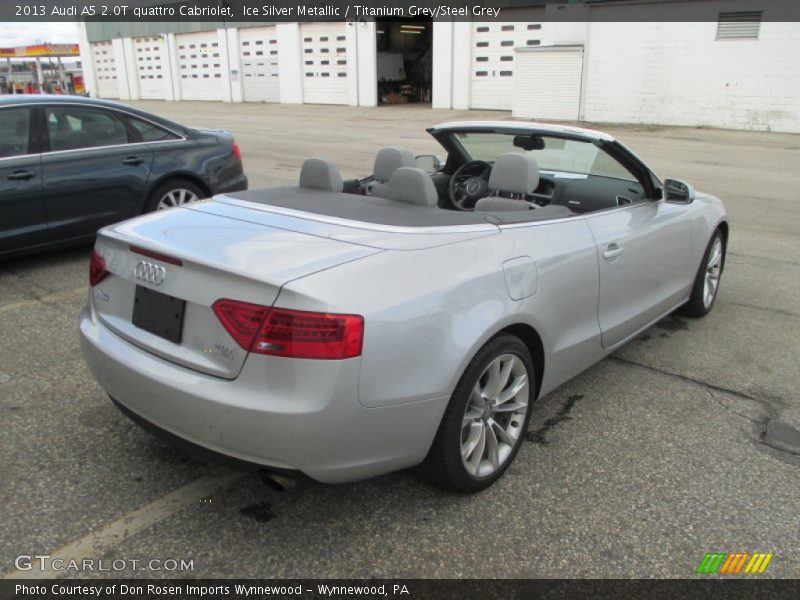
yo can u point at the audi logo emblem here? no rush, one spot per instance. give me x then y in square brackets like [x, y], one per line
[149, 272]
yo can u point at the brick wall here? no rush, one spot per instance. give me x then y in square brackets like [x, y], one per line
[679, 74]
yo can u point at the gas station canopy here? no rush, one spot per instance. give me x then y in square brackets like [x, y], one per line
[40, 50]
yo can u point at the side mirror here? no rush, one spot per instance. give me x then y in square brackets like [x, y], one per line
[678, 191]
[430, 163]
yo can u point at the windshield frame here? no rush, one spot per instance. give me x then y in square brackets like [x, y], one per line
[457, 155]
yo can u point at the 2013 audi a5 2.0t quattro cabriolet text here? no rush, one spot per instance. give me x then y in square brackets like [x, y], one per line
[351, 328]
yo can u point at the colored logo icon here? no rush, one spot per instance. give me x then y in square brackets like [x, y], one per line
[733, 563]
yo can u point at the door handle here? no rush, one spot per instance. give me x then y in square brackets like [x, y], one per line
[133, 160]
[21, 175]
[612, 252]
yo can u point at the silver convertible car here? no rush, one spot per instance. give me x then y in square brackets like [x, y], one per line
[346, 329]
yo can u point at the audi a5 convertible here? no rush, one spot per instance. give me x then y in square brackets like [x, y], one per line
[347, 329]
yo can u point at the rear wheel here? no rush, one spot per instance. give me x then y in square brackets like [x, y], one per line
[483, 426]
[706, 282]
[173, 192]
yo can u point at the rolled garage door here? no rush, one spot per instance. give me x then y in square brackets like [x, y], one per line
[548, 83]
[324, 56]
[259, 55]
[200, 66]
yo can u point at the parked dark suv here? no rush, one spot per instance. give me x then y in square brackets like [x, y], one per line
[70, 165]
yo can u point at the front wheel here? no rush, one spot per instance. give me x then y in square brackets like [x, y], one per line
[706, 282]
[484, 424]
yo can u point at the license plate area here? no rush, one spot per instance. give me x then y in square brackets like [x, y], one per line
[158, 313]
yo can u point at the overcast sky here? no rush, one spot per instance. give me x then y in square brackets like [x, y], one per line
[23, 34]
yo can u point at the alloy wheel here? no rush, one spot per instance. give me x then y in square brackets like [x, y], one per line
[176, 197]
[495, 415]
[713, 270]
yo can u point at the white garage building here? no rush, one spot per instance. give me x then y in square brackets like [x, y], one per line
[736, 69]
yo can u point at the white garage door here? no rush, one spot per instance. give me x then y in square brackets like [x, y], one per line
[260, 80]
[324, 48]
[105, 70]
[150, 53]
[492, 66]
[548, 83]
[200, 66]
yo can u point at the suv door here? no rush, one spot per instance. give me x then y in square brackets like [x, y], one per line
[22, 220]
[95, 171]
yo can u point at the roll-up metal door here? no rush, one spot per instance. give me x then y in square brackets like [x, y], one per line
[548, 83]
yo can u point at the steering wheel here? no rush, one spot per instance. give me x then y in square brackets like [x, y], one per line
[469, 184]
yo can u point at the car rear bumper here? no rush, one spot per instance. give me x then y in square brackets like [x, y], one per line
[282, 413]
[237, 184]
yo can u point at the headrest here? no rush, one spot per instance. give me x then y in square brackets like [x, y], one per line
[515, 173]
[493, 204]
[388, 160]
[320, 174]
[414, 186]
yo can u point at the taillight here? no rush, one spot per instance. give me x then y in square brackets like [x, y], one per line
[241, 319]
[237, 153]
[309, 335]
[291, 333]
[97, 269]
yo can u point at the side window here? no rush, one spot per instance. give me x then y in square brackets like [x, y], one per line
[14, 127]
[606, 165]
[574, 156]
[150, 132]
[73, 127]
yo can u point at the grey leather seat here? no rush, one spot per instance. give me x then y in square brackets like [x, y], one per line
[320, 174]
[387, 161]
[515, 174]
[412, 186]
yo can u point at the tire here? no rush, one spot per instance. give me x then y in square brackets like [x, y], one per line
[465, 420]
[706, 282]
[173, 192]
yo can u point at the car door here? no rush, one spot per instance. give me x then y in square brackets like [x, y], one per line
[22, 220]
[95, 171]
[643, 254]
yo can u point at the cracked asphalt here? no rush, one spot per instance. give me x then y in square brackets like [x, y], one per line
[635, 468]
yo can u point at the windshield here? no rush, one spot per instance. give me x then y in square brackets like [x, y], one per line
[552, 154]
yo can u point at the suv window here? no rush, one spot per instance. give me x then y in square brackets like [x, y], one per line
[73, 127]
[14, 126]
[151, 132]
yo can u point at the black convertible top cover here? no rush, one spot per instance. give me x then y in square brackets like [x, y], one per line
[368, 209]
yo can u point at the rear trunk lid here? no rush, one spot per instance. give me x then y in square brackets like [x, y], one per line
[197, 258]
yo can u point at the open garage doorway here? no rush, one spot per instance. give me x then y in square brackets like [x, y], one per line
[404, 61]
